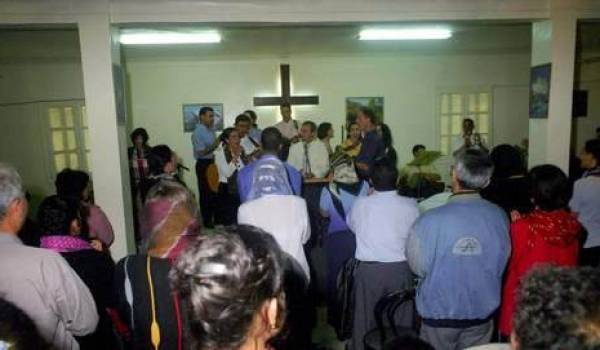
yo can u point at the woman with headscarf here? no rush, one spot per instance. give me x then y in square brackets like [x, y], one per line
[339, 242]
[145, 302]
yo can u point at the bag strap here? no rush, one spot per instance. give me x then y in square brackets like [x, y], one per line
[337, 202]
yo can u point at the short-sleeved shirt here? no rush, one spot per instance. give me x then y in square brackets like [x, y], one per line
[202, 139]
[371, 149]
[337, 222]
[586, 203]
[288, 129]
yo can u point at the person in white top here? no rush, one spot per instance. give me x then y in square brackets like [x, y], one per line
[39, 281]
[381, 223]
[251, 147]
[272, 206]
[310, 156]
[288, 128]
[468, 139]
[230, 158]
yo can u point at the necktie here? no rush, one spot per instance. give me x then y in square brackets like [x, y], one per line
[306, 160]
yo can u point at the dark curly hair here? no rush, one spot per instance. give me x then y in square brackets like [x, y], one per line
[159, 157]
[558, 308]
[323, 130]
[55, 215]
[137, 133]
[17, 329]
[225, 278]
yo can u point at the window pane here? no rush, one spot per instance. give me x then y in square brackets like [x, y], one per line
[58, 141]
[71, 142]
[472, 103]
[60, 161]
[457, 101]
[84, 123]
[74, 161]
[444, 144]
[69, 117]
[445, 125]
[457, 124]
[55, 118]
[484, 123]
[445, 102]
[86, 139]
[484, 102]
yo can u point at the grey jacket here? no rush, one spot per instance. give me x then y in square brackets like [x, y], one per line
[42, 284]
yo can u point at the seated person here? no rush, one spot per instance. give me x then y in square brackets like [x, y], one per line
[310, 156]
[272, 142]
[64, 226]
[272, 206]
[232, 284]
[418, 180]
[39, 281]
[145, 302]
[558, 308]
[76, 183]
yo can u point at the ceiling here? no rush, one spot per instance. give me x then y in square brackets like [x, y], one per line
[247, 40]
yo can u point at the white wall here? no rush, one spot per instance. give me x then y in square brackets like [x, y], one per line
[408, 84]
[585, 128]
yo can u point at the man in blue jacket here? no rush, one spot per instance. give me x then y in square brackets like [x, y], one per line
[459, 251]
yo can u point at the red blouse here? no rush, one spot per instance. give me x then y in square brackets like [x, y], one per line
[538, 238]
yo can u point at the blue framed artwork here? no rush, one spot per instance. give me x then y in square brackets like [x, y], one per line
[539, 91]
[190, 115]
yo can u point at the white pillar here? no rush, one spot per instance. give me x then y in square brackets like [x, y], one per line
[553, 42]
[109, 160]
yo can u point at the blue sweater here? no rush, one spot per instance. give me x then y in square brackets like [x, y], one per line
[459, 251]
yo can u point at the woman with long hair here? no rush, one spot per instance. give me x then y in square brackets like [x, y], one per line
[230, 158]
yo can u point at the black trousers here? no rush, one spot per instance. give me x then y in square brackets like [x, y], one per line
[226, 213]
[207, 196]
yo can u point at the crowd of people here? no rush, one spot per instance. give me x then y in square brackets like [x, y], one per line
[507, 254]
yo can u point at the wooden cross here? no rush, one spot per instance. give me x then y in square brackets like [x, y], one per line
[286, 96]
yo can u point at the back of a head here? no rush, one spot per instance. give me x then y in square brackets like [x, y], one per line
[593, 146]
[384, 176]
[323, 130]
[157, 159]
[507, 161]
[226, 278]
[417, 148]
[11, 187]
[473, 169]
[252, 114]
[386, 136]
[558, 308]
[370, 114]
[17, 330]
[271, 139]
[71, 183]
[243, 118]
[55, 215]
[549, 187]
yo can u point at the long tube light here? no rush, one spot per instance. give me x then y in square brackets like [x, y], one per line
[405, 34]
[169, 37]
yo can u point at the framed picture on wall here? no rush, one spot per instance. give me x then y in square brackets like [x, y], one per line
[354, 103]
[539, 91]
[190, 113]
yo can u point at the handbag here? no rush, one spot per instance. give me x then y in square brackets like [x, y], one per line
[343, 316]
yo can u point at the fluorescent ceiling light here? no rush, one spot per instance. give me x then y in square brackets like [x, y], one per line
[169, 37]
[405, 34]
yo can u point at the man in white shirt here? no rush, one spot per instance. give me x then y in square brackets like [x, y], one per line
[39, 281]
[288, 128]
[381, 223]
[310, 156]
[242, 124]
[468, 139]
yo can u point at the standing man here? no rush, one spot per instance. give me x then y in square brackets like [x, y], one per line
[468, 139]
[39, 281]
[372, 147]
[459, 251]
[251, 147]
[288, 128]
[205, 142]
[310, 156]
[381, 223]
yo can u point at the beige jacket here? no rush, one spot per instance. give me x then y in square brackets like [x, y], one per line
[42, 284]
